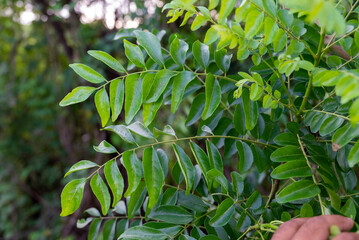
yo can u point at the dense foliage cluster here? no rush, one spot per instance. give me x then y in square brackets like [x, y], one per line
[289, 121]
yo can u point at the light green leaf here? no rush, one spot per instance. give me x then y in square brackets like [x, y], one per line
[153, 175]
[105, 147]
[134, 54]
[102, 103]
[121, 131]
[133, 96]
[171, 214]
[134, 171]
[250, 110]
[178, 50]
[117, 94]
[87, 73]
[114, 180]
[101, 192]
[136, 199]
[306, 210]
[151, 44]
[253, 23]
[349, 209]
[213, 4]
[77, 95]
[344, 135]
[107, 59]
[353, 155]
[226, 9]
[159, 85]
[298, 190]
[270, 6]
[143, 233]
[180, 82]
[270, 30]
[139, 129]
[286, 154]
[201, 53]
[81, 165]
[71, 196]
[198, 22]
[213, 96]
[150, 110]
[224, 213]
[211, 36]
[186, 166]
[295, 168]
[354, 112]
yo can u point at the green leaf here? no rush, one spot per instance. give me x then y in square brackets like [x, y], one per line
[133, 96]
[298, 190]
[139, 129]
[171, 214]
[143, 233]
[285, 17]
[151, 44]
[254, 201]
[134, 171]
[291, 169]
[167, 130]
[349, 209]
[224, 213]
[226, 9]
[168, 228]
[94, 229]
[270, 30]
[114, 180]
[178, 51]
[159, 85]
[223, 60]
[354, 112]
[250, 110]
[286, 138]
[153, 175]
[71, 196]
[286, 154]
[102, 103]
[105, 147]
[213, 96]
[101, 192]
[180, 82]
[201, 53]
[245, 156]
[211, 36]
[191, 202]
[150, 110]
[253, 23]
[122, 131]
[107, 59]
[215, 159]
[344, 135]
[186, 166]
[87, 73]
[270, 6]
[81, 165]
[239, 120]
[77, 95]
[237, 183]
[201, 159]
[256, 92]
[353, 155]
[134, 54]
[215, 176]
[213, 4]
[136, 199]
[306, 210]
[196, 110]
[198, 22]
[330, 124]
[117, 94]
[109, 229]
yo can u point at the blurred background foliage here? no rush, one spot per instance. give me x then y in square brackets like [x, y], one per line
[38, 140]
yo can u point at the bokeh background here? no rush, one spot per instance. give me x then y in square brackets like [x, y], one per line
[39, 141]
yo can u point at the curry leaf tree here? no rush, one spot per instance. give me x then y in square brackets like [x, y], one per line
[290, 120]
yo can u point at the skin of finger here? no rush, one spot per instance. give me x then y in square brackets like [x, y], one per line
[318, 227]
[347, 236]
[287, 230]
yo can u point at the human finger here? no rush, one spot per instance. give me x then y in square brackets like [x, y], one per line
[347, 236]
[287, 230]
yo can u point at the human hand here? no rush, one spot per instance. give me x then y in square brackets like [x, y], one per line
[315, 228]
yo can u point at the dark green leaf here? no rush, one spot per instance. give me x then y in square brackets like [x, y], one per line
[94, 229]
[201, 159]
[245, 156]
[286, 138]
[109, 229]
[344, 135]
[151, 44]
[349, 209]
[191, 202]
[288, 153]
[353, 155]
[291, 169]
[239, 120]
[171, 214]
[143, 233]
[178, 51]
[180, 82]
[134, 171]
[159, 85]
[224, 213]
[215, 159]
[133, 96]
[330, 124]
[213, 96]
[298, 190]
[237, 183]
[214, 176]
[196, 110]
[254, 201]
[201, 53]
[250, 110]
[136, 199]
[134, 54]
[186, 166]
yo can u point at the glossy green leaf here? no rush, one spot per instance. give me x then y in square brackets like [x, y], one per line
[117, 94]
[94, 229]
[171, 214]
[71, 196]
[121, 131]
[286, 154]
[215, 159]
[196, 110]
[150, 110]
[143, 233]
[345, 134]
[226, 9]
[216, 177]
[286, 138]
[159, 85]
[253, 23]
[180, 82]
[81, 165]
[151, 44]
[114, 180]
[245, 156]
[186, 166]
[107, 59]
[134, 54]
[87, 73]
[213, 96]
[250, 110]
[330, 124]
[237, 183]
[353, 155]
[134, 171]
[178, 51]
[167, 130]
[198, 22]
[153, 175]
[101, 192]
[239, 120]
[136, 199]
[298, 190]
[295, 168]
[105, 147]
[102, 103]
[201, 158]
[109, 229]
[201, 53]
[77, 95]
[224, 213]
[223, 60]
[168, 228]
[133, 96]
[139, 129]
